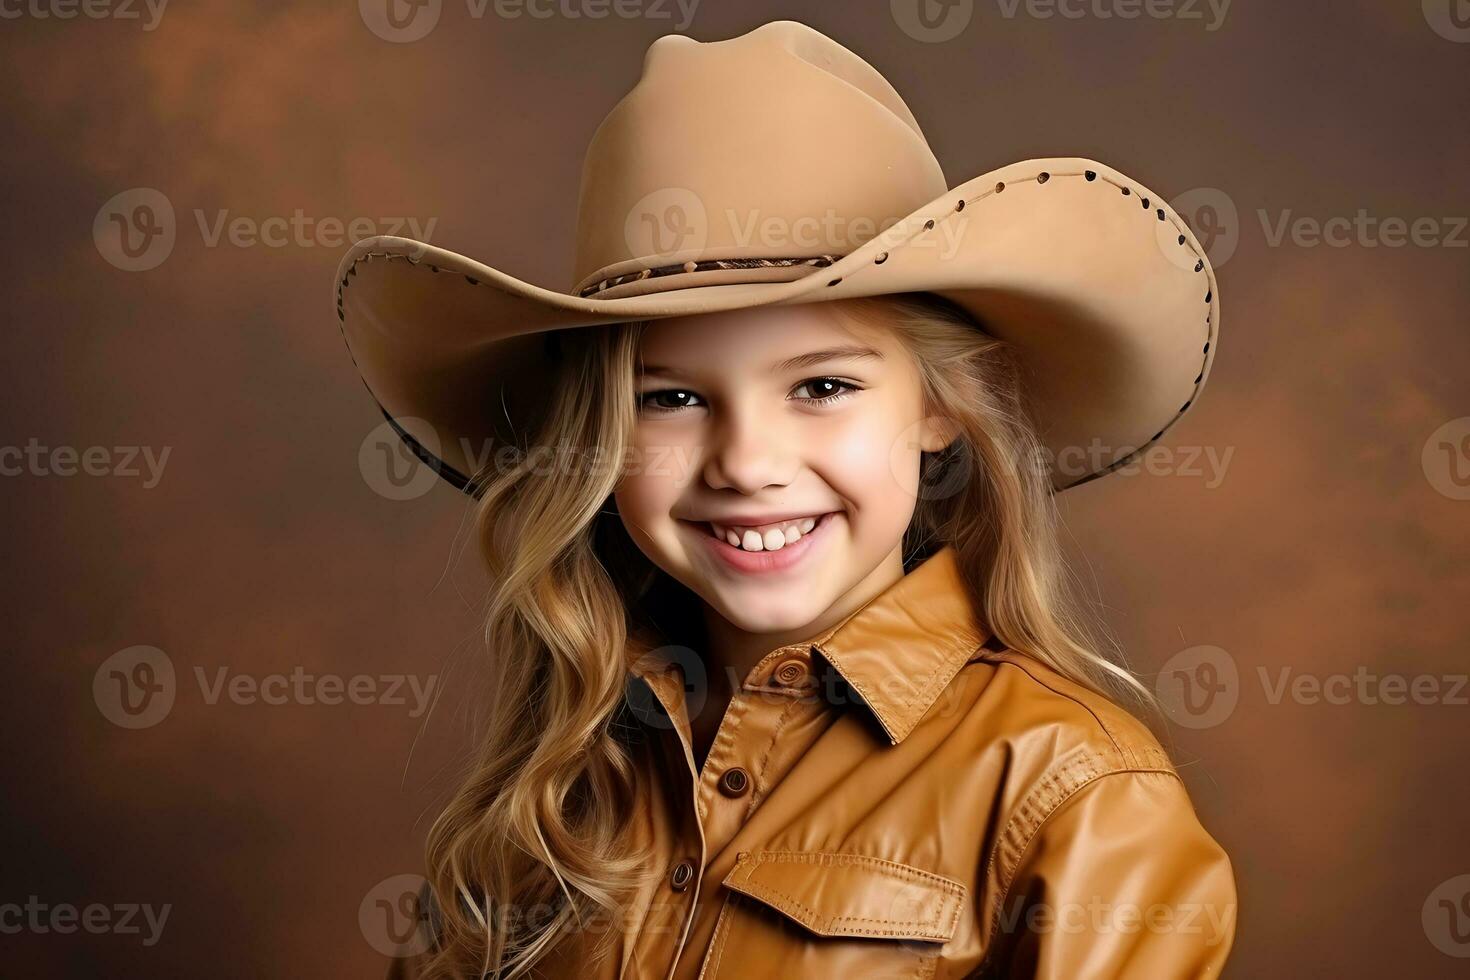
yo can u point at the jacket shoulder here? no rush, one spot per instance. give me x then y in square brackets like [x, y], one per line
[1033, 704]
[1087, 786]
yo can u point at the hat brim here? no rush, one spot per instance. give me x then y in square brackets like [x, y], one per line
[1104, 291]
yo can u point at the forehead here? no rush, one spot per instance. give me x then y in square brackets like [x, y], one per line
[761, 335]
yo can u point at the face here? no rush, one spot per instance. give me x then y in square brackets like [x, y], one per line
[775, 458]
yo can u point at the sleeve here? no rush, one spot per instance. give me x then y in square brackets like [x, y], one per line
[1119, 881]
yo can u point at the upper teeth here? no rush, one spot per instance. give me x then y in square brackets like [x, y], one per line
[764, 537]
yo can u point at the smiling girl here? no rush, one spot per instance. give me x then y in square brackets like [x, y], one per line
[798, 687]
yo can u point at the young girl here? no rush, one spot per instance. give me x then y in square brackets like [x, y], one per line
[786, 679]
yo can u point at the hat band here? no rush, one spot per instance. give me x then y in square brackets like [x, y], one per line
[705, 266]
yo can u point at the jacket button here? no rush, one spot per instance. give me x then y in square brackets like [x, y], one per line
[735, 781]
[683, 873]
[790, 672]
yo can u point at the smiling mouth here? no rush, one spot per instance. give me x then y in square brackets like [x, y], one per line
[763, 537]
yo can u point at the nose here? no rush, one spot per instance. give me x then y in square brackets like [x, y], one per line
[748, 452]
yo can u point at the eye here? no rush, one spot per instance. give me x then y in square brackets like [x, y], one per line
[667, 400]
[813, 390]
[824, 389]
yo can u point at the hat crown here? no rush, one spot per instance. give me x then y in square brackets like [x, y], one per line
[777, 144]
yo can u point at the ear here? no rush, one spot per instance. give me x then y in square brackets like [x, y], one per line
[937, 432]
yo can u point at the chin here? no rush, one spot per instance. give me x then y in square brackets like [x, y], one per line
[774, 618]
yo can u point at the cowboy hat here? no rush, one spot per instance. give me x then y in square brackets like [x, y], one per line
[778, 167]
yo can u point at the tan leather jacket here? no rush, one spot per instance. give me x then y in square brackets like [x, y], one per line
[911, 803]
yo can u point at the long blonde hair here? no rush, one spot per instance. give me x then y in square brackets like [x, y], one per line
[539, 821]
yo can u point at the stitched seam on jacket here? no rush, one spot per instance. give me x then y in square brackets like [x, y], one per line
[867, 698]
[923, 693]
[722, 928]
[1146, 757]
[824, 924]
[862, 860]
[1091, 771]
[735, 710]
[785, 903]
[757, 792]
[902, 724]
[953, 643]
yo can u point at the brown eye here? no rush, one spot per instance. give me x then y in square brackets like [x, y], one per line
[824, 389]
[668, 400]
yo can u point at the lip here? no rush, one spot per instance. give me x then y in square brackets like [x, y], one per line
[756, 520]
[760, 562]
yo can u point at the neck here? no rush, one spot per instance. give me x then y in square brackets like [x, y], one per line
[730, 652]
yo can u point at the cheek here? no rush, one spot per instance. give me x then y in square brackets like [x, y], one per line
[871, 459]
[656, 470]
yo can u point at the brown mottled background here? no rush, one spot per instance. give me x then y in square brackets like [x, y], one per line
[1328, 546]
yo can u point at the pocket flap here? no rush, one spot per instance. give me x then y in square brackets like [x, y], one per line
[837, 894]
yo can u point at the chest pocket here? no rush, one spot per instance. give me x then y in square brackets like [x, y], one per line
[830, 914]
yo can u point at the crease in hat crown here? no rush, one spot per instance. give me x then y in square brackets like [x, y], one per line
[777, 144]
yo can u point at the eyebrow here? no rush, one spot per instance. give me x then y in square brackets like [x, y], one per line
[855, 352]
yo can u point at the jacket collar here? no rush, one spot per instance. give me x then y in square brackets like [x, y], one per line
[897, 653]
